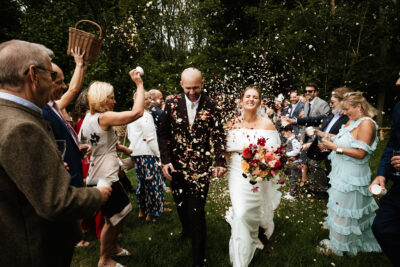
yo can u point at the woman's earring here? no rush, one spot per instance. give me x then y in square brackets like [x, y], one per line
[359, 112]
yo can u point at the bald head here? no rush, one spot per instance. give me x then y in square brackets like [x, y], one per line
[191, 72]
[192, 83]
[59, 86]
[156, 98]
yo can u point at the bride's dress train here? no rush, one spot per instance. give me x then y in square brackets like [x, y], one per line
[250, 208]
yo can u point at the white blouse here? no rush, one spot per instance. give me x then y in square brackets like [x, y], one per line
[143, 136]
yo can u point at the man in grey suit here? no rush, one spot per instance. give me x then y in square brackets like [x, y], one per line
[315, 105]
[295, 109]
[39, 209]
[313, 108]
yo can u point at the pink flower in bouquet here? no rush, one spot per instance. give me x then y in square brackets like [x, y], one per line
[269, 156]
[257, 171]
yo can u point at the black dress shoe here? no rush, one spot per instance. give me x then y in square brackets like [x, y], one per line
[321, 195]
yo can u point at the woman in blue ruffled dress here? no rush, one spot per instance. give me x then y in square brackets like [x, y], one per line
[351, 207]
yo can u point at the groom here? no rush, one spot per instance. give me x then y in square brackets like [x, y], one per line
[190, 130]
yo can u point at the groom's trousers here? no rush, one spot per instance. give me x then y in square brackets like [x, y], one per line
[386, 226]
[190, 199]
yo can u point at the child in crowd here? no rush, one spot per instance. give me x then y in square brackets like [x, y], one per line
[293, 147]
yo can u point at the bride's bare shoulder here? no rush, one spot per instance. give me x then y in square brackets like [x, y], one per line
[267, 124]
[233, 124]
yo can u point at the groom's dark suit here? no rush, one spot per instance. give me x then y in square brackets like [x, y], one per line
[189, 149]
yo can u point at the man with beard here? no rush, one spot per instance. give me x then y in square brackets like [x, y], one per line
[190, 123]
[296, 106]
[62, 130]
[329, 126]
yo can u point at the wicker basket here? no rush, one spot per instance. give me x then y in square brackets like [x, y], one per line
[86, 41]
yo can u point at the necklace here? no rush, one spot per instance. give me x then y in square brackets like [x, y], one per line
[249, 124]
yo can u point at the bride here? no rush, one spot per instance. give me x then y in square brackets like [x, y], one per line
[251, 208]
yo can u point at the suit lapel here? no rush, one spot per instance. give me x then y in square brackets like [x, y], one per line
[199, 108]
[60, 121]
[183, 113]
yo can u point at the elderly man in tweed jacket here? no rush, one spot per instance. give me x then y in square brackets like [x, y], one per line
[39, 210]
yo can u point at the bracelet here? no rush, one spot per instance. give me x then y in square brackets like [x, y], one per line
[339, 151]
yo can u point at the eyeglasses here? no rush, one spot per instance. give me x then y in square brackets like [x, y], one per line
[309, 91]
[53, 74]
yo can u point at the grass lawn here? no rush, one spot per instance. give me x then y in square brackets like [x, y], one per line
[297, 233]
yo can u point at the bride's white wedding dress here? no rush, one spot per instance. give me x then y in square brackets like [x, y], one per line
[250, 209]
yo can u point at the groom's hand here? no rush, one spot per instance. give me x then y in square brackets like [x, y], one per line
[167, 169]
[219, 171]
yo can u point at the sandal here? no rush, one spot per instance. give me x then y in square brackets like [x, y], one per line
[142, 213]
[150, 218]
[123, 253]
[82, 243]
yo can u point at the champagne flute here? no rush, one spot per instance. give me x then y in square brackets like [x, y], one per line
[396, 153]
[62, 147]
[325, 137]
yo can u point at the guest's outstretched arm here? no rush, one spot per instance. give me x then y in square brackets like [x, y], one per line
[76, 82]
[111, 118]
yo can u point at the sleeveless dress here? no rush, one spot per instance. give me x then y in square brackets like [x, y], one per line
[351, 207]
[250, 209]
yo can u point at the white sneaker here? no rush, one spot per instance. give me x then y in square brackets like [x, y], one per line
[288, 196]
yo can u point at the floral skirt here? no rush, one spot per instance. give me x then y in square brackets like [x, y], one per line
[149, 190]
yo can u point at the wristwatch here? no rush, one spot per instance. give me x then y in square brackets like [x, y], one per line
[339, 150]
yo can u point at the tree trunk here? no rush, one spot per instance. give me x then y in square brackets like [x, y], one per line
[382, 60]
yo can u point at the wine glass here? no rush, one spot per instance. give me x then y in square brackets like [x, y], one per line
[396, 153]
[325, 137]
[62, 147]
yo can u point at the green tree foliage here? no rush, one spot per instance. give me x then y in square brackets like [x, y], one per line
[330, 42]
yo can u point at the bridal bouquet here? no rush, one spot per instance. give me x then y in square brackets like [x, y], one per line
[260, 162]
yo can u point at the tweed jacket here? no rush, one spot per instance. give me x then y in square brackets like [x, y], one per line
[72, 156]
[318, 107]
[190, 149]
[39, 210]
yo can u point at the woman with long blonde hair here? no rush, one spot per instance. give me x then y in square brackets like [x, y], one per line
[351, 207]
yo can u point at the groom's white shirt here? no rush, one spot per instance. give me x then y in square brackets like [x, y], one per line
[189, 108]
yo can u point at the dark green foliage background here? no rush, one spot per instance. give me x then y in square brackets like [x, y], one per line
[356, 43]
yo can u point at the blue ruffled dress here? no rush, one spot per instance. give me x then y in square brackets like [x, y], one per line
[351, 207]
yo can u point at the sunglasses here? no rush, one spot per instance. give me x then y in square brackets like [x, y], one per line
[53, 74]
[309, 91]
